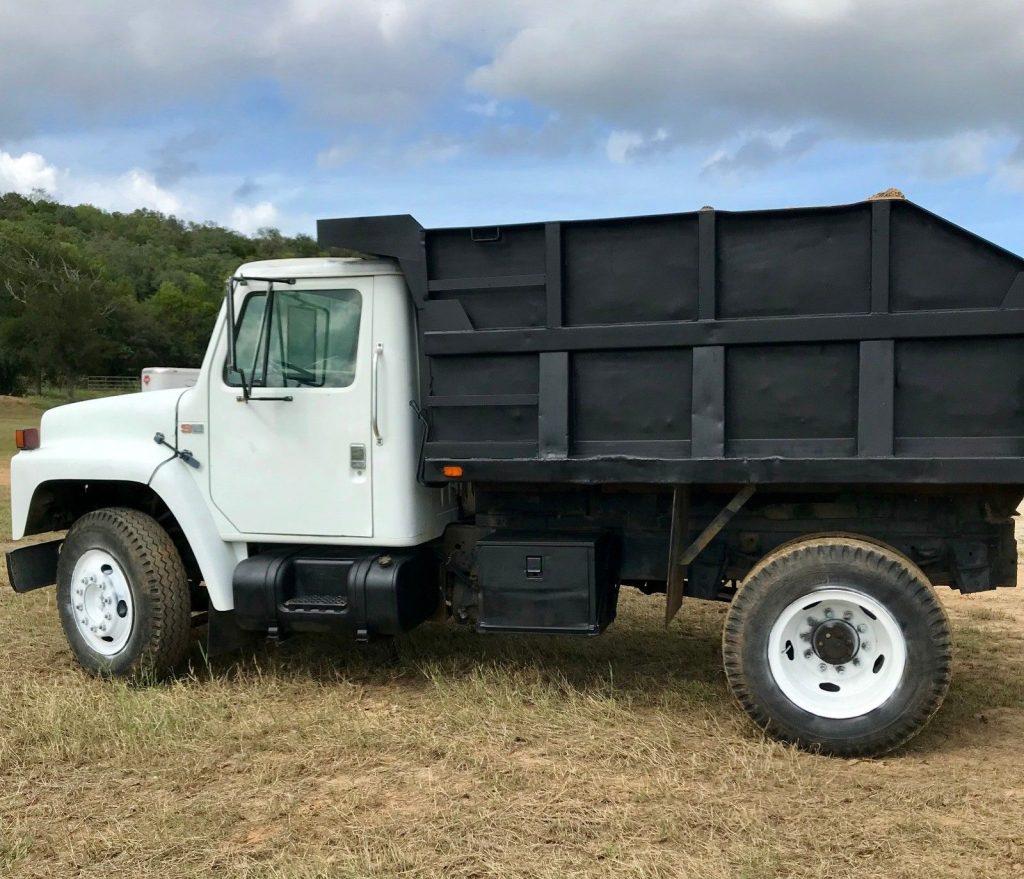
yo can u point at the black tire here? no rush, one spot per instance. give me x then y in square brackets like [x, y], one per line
[794, 571]
[161, 620]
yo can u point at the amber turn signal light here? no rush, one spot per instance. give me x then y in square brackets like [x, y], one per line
[452, 471]
[27, 438]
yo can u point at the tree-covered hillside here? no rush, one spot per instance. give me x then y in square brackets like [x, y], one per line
[87, 292]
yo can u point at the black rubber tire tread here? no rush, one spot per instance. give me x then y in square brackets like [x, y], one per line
[162, 626]
[750, 618]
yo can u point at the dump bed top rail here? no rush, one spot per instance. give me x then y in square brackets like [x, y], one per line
[871, 342]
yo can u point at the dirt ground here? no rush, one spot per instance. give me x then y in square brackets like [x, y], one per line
[448, 754]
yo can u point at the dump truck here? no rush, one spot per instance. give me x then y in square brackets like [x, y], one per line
[814, 414]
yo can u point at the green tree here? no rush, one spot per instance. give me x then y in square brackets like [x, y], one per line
[155, 281]
[61, 303]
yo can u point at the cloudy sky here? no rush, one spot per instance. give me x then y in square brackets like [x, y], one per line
[276, 112]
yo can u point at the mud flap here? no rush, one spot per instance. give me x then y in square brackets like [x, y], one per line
[33, 566]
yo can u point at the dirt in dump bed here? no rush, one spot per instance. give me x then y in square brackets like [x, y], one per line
[891, 192]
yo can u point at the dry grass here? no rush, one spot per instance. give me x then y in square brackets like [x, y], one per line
[449, 754]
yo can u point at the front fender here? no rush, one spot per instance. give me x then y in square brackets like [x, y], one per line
[117, 461]
[144, 463]
[216, 557]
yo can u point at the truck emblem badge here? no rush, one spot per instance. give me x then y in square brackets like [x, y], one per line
[193, 428]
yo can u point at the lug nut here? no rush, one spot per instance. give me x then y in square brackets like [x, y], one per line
[855, 661]
[862, 628]
[107, 616]
[811, 621]
[847, 615]
[805, 636]
[822, 667]
[807, 654]
[78, 607]
[840, 668]
[828, 613]
[865, 645]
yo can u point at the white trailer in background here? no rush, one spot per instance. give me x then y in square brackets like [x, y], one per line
[161, 378]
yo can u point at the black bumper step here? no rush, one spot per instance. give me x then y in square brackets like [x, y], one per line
[318, 603]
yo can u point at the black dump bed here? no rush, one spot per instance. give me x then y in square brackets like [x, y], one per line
[871, 342]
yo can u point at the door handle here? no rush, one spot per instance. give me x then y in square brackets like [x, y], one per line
[378, 356]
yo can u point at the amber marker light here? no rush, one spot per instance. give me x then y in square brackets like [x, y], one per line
[27, 438]
[452, 471]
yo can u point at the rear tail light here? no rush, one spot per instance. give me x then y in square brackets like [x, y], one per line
[27, 438]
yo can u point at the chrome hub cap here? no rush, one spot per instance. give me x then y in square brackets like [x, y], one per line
[837, 653]
[102, 602]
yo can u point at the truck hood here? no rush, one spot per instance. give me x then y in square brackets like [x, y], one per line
[112, 419]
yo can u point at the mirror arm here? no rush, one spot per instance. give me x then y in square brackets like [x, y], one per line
[233, 368]
[268, 320]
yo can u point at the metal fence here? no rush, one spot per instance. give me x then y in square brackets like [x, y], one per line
[111, 383]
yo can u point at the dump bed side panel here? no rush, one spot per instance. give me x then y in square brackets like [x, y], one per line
[868, 342]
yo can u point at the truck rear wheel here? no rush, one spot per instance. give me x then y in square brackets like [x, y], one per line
[839, 645]
[123, 594]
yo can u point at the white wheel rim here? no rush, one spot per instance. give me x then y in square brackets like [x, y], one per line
[101, 602]
[867, 673]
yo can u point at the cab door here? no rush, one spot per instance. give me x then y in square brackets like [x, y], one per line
[296, 459]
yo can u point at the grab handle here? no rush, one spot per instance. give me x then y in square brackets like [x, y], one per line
[378, 356]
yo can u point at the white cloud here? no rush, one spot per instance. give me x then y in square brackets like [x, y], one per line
[1010, 172]
[487, 109]
[136, 188]
[549, 79]
[251, 218]
[125, 192]
[25, 173]
[621, 143]
[435, 148]
[626, 146]
[358, 61]
[337, 155]
[760, 150]
[962, 155]
[139, 189]
[708, 70]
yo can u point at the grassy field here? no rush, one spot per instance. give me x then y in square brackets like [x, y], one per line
[452, 755]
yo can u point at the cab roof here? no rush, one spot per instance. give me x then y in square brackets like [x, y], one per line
[318, 267]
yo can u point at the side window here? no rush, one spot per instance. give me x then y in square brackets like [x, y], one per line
[313, 339]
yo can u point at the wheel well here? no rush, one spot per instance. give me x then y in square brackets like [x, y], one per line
[56, 505]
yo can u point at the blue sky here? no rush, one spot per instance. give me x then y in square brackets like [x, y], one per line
[277, 113]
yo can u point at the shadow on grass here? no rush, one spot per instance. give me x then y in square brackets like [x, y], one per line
[636, 659]
[636, 656]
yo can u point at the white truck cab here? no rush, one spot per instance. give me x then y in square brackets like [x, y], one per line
[315, 442]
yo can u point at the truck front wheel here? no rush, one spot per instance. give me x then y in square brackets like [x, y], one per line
[123, 594]
[838, 645]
